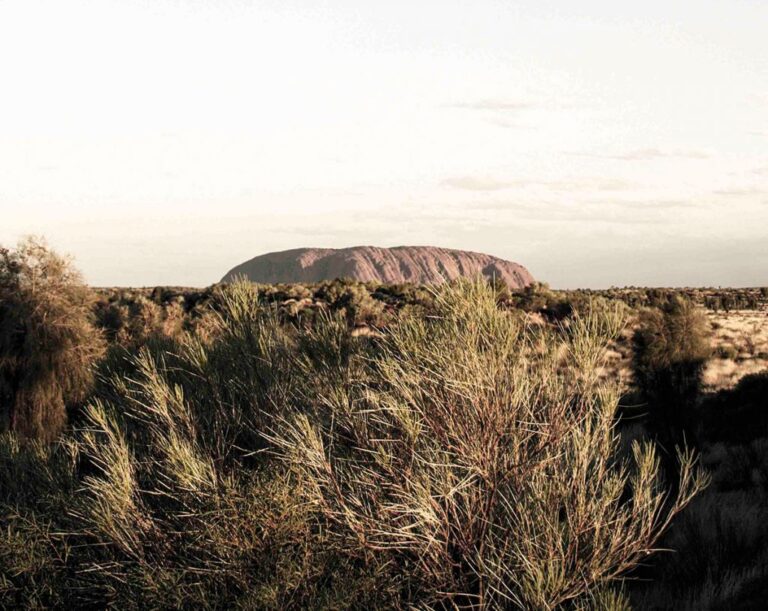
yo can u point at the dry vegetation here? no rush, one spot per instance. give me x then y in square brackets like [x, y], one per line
[739, 336]
[344, 445]
[740, 344]
[48, 343]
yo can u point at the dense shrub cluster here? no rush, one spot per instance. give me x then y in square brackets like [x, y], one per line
[465, 459]
[130, 317]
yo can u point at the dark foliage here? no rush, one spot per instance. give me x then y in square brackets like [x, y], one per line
[48, 344]
[671, 347]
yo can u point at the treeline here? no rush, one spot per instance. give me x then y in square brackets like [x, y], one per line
[131, 316]
[712, 299]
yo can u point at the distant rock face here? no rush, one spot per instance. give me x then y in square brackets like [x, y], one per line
[402, 264]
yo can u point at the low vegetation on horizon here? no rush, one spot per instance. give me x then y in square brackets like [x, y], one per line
[352, 445]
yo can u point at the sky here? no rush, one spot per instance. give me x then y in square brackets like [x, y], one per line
[598, 143]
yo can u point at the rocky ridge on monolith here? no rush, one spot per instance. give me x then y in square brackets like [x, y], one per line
[400, 264]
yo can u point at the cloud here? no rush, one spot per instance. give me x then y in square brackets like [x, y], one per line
[534, 210]
[487, 183]
[495, 105]
[650, 154]
[502, 112]
[478, 183]
[498, 112]
[501, 121]
[605, 212]
[671, 204]
[608, 184]
[741, 191]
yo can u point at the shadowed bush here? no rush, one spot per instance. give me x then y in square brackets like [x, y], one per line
[48, 344]
[671, 348]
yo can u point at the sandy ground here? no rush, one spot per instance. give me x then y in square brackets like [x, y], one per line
[739, 343]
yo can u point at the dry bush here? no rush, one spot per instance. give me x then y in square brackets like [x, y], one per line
[478, 456]
[676, 334]
[354, 300]
[48, 343]
[135, 321]
[671, 348]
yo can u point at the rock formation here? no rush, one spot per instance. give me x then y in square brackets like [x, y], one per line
[401, 264]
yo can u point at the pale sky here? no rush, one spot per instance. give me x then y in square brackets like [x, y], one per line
[596, 142]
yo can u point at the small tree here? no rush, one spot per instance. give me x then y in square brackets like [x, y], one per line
[671, 348]
[47, 340]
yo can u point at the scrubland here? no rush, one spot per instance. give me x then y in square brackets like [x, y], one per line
[355, 446]
[740, 341]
